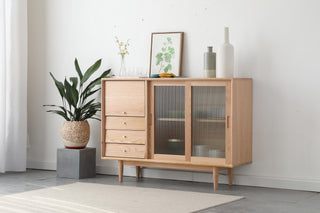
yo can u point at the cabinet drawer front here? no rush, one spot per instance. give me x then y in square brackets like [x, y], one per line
[124, 88]
[125, 106]
[126, 123]
[122, 136]
[125, 150]
[124, 98]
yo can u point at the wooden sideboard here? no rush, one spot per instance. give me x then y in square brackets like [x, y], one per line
[177, 123]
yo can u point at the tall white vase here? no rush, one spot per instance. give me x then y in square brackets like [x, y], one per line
[225, 58]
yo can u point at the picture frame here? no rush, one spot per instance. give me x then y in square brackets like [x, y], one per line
[166, 53]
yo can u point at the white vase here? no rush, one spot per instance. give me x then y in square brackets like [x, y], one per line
[123, 68]
[225, 58]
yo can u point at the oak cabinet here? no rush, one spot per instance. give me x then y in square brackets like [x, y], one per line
[181, 123]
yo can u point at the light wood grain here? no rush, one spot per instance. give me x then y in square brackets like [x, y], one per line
[212, 161]
[125, 150]
[120, 170]
[169, 157]
[103, 118]
[230, 175]
[215, 178]
[169, 165]
[137, 172]
[125, 136]
[125, 123]
[242, 121]
[229, 124]
[172, 79]
[124, 98]
[124, 88]
[166, 161]
[124, 106]
[146, 127]
[132, 101]
[152, 122]
[188, 123]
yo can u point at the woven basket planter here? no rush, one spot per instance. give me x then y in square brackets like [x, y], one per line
[75, 134]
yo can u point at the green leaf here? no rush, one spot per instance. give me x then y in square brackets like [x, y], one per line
[167, 57]
[61, 113]
[87, 91]
[86, 95]
[171, 50]
[159, 58]
[76, 64]
[71, 93]
[167, 68]
[169, 39]
[163, 49]
[89, 114]
[59, 86]
[87, 105]
[90, 71]
[74, 81]
[77, 114]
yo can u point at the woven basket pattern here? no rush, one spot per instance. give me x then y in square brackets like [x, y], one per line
[75, 133]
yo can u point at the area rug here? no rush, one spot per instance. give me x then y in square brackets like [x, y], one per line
[92, 197]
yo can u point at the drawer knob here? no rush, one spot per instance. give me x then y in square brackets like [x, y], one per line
[124, 150]
[124, 112]
[124, 136]
[124, 123]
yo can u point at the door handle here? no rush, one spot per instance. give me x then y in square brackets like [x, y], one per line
[228, 121]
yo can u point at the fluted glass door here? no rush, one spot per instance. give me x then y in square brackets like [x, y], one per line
[169, 120]
[208, 121]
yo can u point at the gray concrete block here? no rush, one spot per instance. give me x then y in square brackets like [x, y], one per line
[76, 163]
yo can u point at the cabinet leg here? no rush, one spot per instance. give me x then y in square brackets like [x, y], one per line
[215, 178]
[137, 172]
[230, 174]
[120, 170]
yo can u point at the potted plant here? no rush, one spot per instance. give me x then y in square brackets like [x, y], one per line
[76, 107]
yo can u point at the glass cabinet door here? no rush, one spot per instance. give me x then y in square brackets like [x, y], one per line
[169, 120]
[208, 121]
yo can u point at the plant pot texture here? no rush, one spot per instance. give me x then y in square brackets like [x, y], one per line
[75, 134]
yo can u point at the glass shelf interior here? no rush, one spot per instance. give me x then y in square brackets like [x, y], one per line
[208, 121]
[169, 102]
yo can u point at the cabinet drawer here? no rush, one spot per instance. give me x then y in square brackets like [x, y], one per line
[124, 98]
[125, 150]
[126, 123]
[123, 136]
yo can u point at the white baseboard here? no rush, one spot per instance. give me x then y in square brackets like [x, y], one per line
[239, 179]
[42, 165]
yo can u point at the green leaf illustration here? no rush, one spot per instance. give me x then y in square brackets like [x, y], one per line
[167, 57]
[159, 58]
[163, 49]
[167, 68]
[169, 40]
[171, 50]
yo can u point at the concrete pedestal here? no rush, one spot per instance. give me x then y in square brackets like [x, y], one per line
[76, 163]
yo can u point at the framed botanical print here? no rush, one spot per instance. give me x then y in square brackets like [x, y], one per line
[166, 53]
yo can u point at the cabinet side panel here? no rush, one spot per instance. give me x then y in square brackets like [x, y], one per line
[242, 121]
[103, 118]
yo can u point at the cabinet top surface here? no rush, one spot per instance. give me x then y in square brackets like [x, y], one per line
[174, 79]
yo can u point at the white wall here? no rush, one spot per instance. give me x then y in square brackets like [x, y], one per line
[276, 43]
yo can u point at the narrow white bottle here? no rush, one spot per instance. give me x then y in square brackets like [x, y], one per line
[225, 58]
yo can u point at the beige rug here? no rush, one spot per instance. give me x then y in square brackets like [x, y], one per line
[91, 197]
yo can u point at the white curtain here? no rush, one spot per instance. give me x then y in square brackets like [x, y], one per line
[13, 85]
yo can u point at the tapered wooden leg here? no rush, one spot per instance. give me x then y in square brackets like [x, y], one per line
[230, 174]
[215, 178]
[120, 170]
[137, 172]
